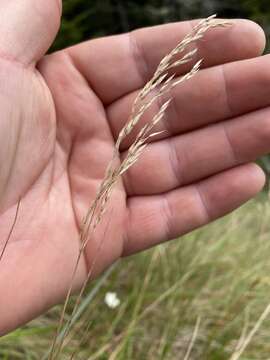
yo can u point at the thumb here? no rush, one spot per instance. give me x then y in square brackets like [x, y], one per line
[28, 28]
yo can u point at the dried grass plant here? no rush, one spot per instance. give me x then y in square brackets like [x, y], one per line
[161, 84]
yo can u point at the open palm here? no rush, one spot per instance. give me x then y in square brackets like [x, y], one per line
[60, 117]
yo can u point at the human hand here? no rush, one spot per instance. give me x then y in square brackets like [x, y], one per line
[60, 117]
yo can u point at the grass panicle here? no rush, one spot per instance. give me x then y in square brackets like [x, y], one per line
[160, 85]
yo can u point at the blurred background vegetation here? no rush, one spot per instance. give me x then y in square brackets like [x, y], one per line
[85, 19]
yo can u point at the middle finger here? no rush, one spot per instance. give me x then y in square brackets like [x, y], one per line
[214, 94]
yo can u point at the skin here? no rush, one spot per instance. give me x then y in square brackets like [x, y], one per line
[60, 116]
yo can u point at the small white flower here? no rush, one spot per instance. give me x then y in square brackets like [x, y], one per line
[111, 300]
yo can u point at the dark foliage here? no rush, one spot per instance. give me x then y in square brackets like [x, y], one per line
[85, 19]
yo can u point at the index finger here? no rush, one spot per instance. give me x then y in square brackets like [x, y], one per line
[118, 65]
